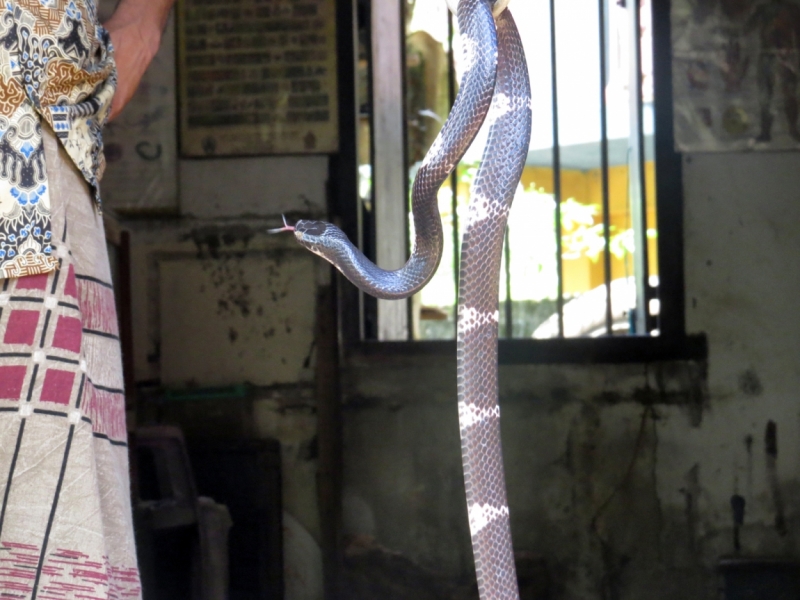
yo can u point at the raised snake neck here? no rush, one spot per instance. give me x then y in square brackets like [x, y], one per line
[466, 117]
[496, 75]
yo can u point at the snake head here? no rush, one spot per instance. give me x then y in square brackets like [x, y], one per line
[319, 237]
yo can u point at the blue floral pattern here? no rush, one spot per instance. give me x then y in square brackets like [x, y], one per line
[56, 65]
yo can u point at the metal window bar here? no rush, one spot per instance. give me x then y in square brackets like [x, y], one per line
[556, 169]
[637, 190]
[604, 165]
[361, 214]
[669, 182]
[389, 171]
[636, 175]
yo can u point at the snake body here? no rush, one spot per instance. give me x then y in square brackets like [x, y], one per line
[479, 282]
[496, 76]
[466, 117]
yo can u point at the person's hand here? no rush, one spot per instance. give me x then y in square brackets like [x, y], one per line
[135, 29]
[135, 45]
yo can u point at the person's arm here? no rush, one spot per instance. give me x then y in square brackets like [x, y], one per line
[135, 29]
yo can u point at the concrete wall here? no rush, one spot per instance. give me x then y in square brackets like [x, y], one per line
[217, 249]
[619, 477]
[218, 302]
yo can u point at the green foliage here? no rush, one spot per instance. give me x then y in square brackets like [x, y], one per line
[532, 239]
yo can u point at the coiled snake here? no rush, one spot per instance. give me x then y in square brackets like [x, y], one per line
[496, 82]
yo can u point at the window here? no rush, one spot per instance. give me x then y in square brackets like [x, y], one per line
[592, 259]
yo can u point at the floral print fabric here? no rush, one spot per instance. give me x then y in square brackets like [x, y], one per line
[66, 528]
[56, 64]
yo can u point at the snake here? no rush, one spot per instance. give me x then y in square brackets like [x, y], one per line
[495, 86]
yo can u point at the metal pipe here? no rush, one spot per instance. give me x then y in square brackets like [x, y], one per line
[637, 189]
[604, 166]
[556, 168]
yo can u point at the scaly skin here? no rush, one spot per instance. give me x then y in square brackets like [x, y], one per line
[465, 119]
[479, 282]
[498, 73]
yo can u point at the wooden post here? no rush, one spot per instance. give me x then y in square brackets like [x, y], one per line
[329, 432]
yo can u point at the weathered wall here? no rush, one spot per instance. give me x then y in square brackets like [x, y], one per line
[218, 302]
[257, 186]
[619, 477]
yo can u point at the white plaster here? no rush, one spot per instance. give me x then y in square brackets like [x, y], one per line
[237, 318]
[253, 186]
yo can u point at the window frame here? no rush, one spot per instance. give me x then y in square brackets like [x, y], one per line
[672, 343]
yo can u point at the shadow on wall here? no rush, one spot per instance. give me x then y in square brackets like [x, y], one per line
[372, 571]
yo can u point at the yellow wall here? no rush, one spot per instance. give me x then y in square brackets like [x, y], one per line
[586, 187]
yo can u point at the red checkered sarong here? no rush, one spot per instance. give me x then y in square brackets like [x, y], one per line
[65, 514]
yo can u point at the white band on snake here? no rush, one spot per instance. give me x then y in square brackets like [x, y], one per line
[496, 82]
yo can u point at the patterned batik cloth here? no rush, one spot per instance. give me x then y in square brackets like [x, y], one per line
[56, 67]
[65, 518]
